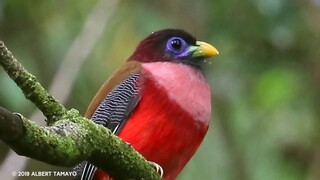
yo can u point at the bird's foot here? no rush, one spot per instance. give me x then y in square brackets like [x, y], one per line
[157, 167]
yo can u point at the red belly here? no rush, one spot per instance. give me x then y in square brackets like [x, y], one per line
[162, 131]
[172, 117]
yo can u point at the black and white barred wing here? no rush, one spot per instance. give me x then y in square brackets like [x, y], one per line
[113, 112]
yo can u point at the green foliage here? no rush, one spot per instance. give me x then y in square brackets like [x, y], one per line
[275, 88]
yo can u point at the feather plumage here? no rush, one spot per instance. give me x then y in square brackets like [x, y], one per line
[158, 101]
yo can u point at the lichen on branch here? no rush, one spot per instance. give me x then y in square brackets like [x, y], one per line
[30, 87]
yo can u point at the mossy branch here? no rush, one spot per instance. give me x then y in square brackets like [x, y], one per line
[70, 138]
[30, 87]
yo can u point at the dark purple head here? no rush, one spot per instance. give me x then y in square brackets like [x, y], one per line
[172, 45]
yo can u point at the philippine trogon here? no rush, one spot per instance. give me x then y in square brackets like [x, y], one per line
[158, 101]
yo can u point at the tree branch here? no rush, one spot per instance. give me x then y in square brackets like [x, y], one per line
[63, 80]
[11, 126]
[71, 138]
[30, 87]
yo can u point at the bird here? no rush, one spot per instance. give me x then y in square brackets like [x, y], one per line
[158, 101]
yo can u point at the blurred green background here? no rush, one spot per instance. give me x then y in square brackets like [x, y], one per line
[265, 82]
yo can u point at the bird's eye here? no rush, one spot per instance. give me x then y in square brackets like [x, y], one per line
[176, 44]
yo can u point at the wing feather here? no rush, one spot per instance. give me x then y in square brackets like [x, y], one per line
[112, 106]
[113, 111]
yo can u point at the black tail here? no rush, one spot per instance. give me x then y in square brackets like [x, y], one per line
[85, 171]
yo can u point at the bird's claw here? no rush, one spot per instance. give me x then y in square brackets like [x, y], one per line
[157, 167]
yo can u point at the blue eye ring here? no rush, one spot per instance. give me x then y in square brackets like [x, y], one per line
[176, 44]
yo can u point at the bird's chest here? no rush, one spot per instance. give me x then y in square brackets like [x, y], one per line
[172, 116]
[182, 85]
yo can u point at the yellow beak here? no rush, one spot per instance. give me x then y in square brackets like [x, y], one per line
[204, 50]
